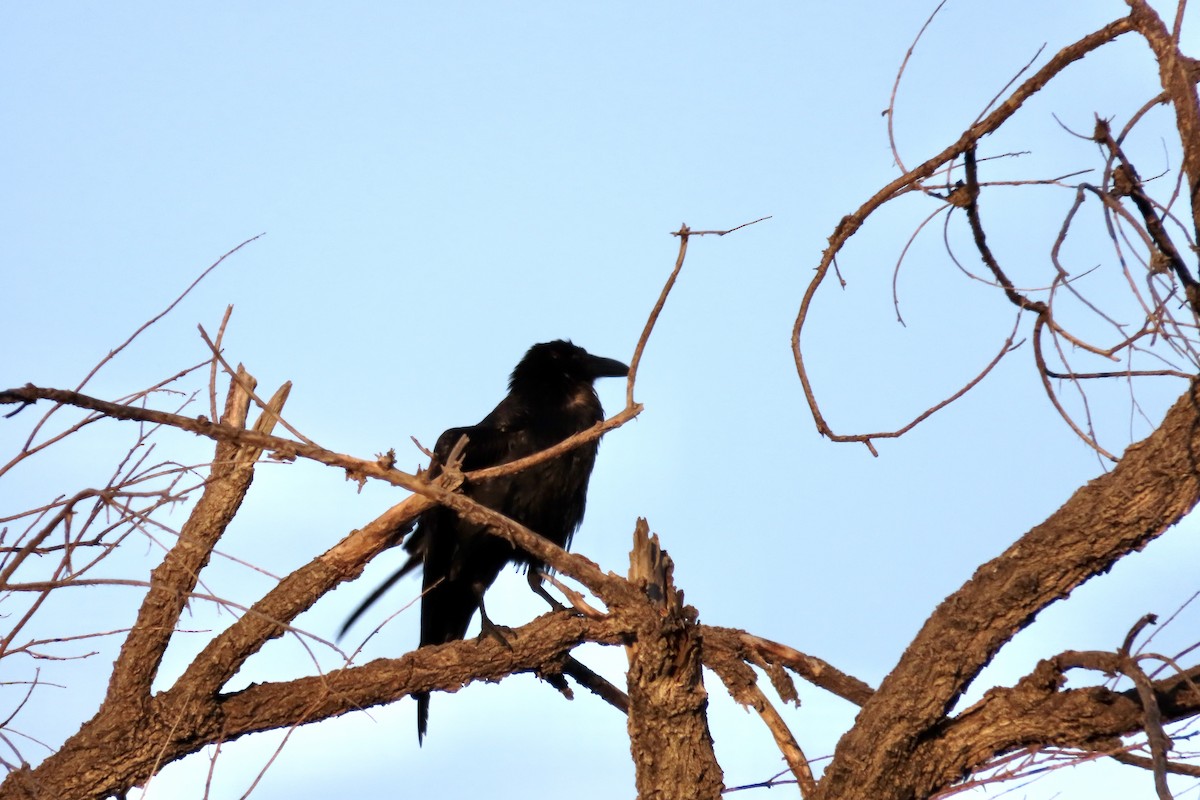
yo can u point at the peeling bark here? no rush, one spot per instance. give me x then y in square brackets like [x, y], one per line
[668, 725]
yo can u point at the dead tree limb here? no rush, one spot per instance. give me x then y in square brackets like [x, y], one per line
[668, 725]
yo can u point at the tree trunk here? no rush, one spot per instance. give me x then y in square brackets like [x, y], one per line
[668, 723]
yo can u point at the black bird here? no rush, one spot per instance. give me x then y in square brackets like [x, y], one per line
[550, 397]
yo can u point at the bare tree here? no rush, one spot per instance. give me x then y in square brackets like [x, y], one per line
[910, 740]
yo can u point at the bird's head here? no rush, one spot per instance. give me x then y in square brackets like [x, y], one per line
[560, 363]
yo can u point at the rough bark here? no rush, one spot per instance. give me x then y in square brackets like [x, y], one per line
[668, 725]
[1156, 483]
[117, 750]
[1038, 713]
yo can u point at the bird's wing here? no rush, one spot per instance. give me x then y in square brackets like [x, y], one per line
[502, 436]
[418, 541]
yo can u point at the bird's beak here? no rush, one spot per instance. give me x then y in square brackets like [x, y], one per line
[606, 367]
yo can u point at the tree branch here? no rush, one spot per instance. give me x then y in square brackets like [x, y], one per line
[181, 721]
[1155, 484]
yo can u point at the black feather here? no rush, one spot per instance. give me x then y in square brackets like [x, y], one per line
[550, 398]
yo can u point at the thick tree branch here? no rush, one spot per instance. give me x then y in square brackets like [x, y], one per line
[1155, 484]
[172, 581]
[1037, 712]
[668, 726]
[117, 750]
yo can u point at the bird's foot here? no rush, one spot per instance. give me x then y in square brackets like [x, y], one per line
[500, 633]
[536, 576]
[554, 604]
[579, 607]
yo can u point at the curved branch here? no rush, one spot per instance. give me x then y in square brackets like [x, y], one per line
[850, 224]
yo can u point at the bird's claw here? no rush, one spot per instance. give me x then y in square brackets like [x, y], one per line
[500, 633]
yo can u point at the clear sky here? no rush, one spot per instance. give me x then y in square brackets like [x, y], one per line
[442, 185]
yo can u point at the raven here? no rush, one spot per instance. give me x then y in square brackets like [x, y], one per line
[550, 397]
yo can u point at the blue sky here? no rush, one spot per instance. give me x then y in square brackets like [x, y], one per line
[441, 185]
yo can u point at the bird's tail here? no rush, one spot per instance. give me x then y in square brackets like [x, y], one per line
[412, 563]
[422, 699]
